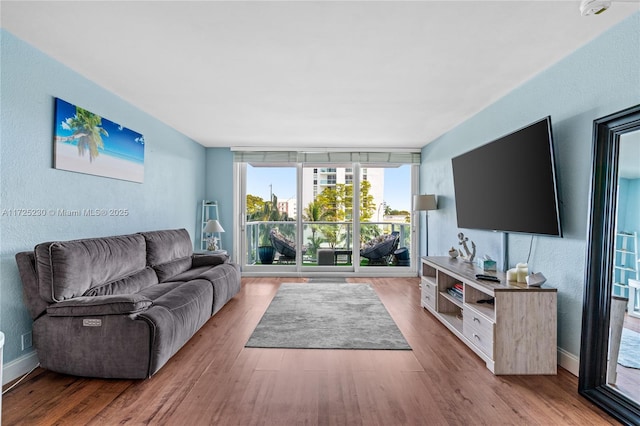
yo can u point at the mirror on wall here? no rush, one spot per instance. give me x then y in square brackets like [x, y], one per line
[623, 368]
[610, 351]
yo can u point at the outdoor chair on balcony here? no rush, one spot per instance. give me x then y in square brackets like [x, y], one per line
[380, 249]
[284, 246]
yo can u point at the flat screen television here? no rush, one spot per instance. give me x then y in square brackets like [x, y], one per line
[510, 184]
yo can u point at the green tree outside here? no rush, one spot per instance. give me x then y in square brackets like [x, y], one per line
[254, 204]
[315, 212]
[333, 204]
[267, 212]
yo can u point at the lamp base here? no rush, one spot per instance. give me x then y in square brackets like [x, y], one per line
[212, 244]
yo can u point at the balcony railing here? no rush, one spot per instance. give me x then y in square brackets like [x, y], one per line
[319, 235]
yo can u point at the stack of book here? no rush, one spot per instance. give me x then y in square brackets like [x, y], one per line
[456, 291]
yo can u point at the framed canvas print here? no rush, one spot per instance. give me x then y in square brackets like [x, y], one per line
[84, 142]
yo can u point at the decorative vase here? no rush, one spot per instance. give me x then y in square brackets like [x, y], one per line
[266, 254]
[453, 253]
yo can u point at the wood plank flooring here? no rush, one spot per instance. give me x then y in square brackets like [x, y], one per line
[214, 380]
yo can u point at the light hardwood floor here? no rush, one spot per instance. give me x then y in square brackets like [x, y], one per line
[215, 380]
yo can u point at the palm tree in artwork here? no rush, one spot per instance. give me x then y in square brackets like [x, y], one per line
[87, 130]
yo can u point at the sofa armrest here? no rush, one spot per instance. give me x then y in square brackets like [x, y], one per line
[208, 259]
[100, 305]
[27, 268]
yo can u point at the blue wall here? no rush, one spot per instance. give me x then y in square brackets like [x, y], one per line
[219, 187]
[169, 197]
[623, 198]
[598, 79]
[629, 205]
[628, 220]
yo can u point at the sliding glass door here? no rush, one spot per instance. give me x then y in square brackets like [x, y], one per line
[327, 216]
[385, 216]
[270, 211]
[340, 218]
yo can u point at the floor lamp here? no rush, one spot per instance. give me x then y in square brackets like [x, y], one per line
[425, 203]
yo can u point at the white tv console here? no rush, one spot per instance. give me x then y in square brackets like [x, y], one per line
[517, 334]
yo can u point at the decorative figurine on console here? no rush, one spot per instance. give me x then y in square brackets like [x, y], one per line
[467, 256]
[212, 244]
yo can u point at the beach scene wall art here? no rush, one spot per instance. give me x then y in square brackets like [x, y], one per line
[87, 143]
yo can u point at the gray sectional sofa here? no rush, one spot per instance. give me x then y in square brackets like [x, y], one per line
[121, 306]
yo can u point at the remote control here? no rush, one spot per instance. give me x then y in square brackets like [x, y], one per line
[487, 277]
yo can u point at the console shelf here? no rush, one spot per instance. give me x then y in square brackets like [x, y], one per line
[512, 327]
[451, 299]
[453, 322]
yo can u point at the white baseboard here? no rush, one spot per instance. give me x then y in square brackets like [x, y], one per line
[19, 367]
[569, 361]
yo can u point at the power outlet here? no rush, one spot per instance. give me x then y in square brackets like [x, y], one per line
[26, 341]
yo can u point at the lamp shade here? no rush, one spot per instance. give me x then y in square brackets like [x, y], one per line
[213, 226]
[424, 202]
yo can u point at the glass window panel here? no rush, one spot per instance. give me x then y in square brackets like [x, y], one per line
[271, 209]
[385, 216]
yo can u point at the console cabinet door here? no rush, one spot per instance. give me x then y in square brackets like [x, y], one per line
[479, 330]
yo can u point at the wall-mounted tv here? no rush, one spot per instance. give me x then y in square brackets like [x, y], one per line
[510, 184]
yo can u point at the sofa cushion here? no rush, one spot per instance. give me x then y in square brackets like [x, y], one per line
[175, 317]
[208, 260]
[167, 246]
[127, 285]
[158, 290]
[191, 274]
[225, 280]
[100, 305]
[167, 271]
[69, 269]
[168, 252]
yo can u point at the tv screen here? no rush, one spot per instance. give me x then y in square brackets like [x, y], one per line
[509, 184]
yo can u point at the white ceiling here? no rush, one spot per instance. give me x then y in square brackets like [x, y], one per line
[347, 74]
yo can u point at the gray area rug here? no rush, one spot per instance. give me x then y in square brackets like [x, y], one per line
[629, 355]
[327, 316]
[328, 280]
